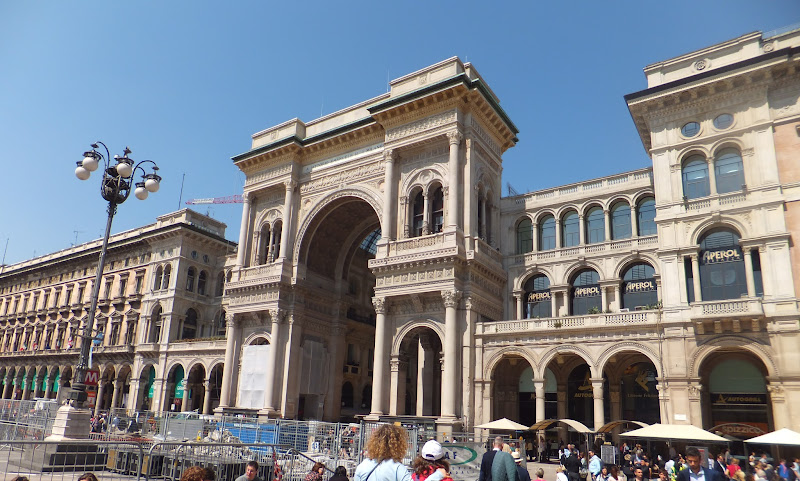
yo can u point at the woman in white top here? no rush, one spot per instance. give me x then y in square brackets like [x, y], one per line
[560, 474]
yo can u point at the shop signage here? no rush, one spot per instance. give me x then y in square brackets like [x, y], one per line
[736, 398]
[588, 291]
[538, 296]
[640, 286]
[742, 430]
[731, 254]
[92, 377]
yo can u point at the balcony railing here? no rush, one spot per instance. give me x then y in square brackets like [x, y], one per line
[715, 201]
[572, 322]
[263, 274]
[747, 307]
[650, 241]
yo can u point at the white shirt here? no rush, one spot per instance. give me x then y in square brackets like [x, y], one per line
[701, 476]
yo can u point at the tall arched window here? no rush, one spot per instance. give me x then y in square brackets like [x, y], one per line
[155, 325]
[418, 214]
[639, 286]
[570, 229]
[722, 273]
[263, 248]
[167, 273]
[620, 221]
[547, 233]
[524, 236]
[646, 216]
[437, 210]
[158, 278]
[585, 293]
[220, 284]
[595, 225]
[695, 177]
[190, 279]
[190, 325]
[201, 283]
[537, 302]
[729, 171]
[277, 234]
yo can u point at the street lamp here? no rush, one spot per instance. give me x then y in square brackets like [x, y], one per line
[115, 188]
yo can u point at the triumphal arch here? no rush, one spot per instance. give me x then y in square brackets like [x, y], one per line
[368, 252]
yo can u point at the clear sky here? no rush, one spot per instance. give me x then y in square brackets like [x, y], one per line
[187, 83]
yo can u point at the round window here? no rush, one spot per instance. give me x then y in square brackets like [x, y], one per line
[723, 121]
[690, 129]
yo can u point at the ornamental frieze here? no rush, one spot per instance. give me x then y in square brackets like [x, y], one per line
[427, 123]
[238, 300]
[414, 277]
[485, 137]
[268, 174]
[343, 178]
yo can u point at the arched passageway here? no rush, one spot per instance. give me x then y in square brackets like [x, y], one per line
[420, 367]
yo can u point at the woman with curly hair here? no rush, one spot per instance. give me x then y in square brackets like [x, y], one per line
[316, 472]
[385, 450]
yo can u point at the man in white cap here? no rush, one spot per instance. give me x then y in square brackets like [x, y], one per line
[522, 473]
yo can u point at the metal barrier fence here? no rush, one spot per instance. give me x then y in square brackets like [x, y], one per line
[26, 419]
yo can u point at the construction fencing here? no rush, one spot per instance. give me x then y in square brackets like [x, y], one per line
[23, 420]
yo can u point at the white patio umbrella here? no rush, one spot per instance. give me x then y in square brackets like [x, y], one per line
[503, 424]
[685, 432]
[781, 437]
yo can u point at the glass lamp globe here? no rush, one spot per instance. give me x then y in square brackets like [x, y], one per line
[151, 185]
[82, 173]
[90, 163]
[124, 169]
[140, 193]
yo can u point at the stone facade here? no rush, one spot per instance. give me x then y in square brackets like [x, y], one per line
[388, 277]
[158, 321]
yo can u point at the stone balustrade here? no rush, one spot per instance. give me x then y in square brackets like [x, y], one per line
[572, 322]
[643, 242]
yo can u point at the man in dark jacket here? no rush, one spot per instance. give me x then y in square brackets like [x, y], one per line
[488, 459]
[573, 465]
[696, 471]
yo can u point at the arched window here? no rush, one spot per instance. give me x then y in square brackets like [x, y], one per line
[695, 177]
[190, 279]
[547, 233]
[418, 214]
[437, 210]
[620, 221]
[157, 279]
[537, 302]
[155, 325]
[190, 325]
[347, 395]
[220, 284]
[201, 283]
[639, 286]
[646, 216]
[595, 226]
[167, 273]
[585, 293]
[729, 171]
[722, 273]
[570, 229]
[524, 236]
[263, 248]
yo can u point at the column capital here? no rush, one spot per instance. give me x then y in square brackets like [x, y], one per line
[230, 320]
[277, 315]
[247, 197]
[290, 185]
[389, 155]
[451, 298]
[381, 305]
[454, 137]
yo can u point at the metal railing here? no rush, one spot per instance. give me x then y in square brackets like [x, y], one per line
[22, 420]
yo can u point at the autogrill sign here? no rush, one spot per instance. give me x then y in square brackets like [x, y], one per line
[539, 296]
[732, 254]
[640, 286]
[589, 291]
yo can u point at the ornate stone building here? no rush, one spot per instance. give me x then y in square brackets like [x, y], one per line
[159, 328]
[380, 273]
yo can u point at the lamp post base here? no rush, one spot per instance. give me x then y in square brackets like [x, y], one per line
[71, 423]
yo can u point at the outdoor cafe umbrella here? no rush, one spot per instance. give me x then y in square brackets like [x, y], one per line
[503, 424]
[781, 437]
[678, 432]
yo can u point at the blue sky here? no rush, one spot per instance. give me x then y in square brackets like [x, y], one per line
[187, 83]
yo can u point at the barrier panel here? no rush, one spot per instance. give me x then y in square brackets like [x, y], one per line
[167, 460]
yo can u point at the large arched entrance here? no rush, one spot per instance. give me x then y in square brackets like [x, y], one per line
[513, 391]
[337, 342]
[736, 402]
[420, 367]
[631, 384]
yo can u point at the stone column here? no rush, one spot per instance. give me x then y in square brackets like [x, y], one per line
[206, 397]
[766, 272]
[426, 217]
[7, 391]
[581, 229]
[118, 383]
[277, 316]
[240, 254]
[287, 218]
[712, 177]
[394, 398]
[425, 365]
[695, 408]
[780, 409]
[597, 393]
[618, 297]
[452, 343]
[404, 219]
[255, 249]
[270, 248]
[48, 386]
[559, 240]
[482, 225]
[390, 197]
[603, 299]
[454, 138]
[634, 222]
[101, 387]
[748, 268]
[607, 219]
[186, 398]
[698, 296]
[534, 237]
[227, 370]
[538, 385]
[134, 395]
[380, 360]
[519, 298]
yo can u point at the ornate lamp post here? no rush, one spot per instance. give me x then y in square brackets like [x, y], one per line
[115, 188]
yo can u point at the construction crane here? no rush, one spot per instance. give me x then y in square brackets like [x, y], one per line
[231, 199]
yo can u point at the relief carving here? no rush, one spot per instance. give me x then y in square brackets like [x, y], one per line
[421, 125]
